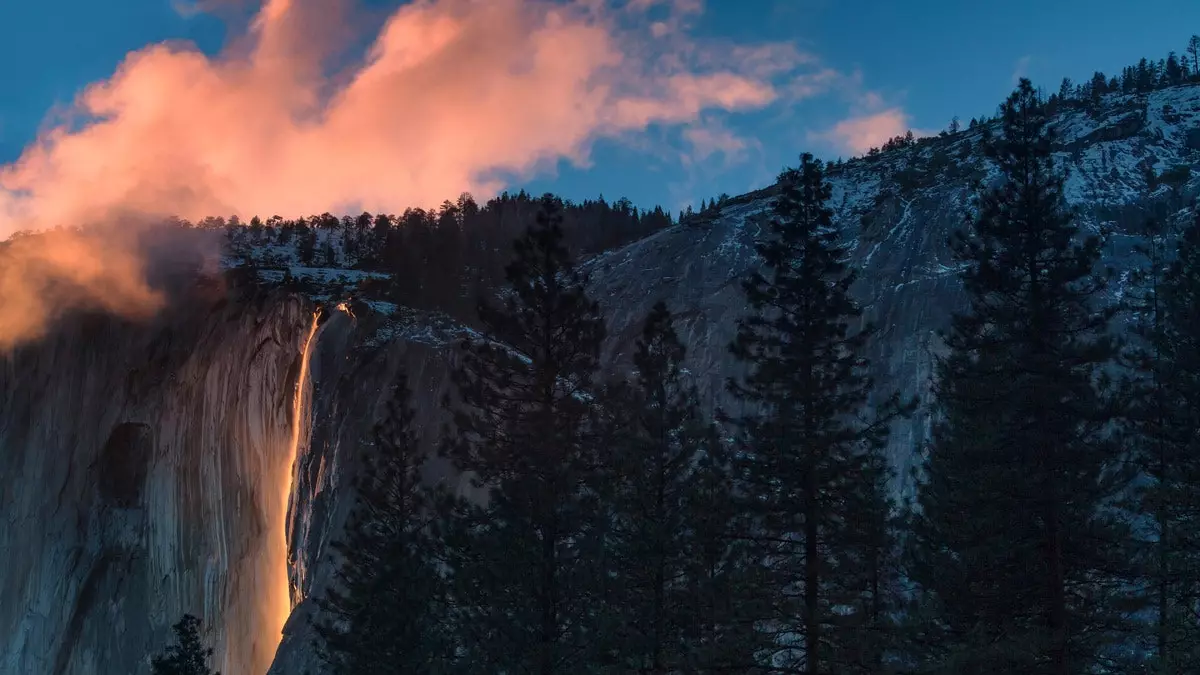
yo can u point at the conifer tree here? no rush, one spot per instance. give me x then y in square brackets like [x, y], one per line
[386, 611]
[1172, 73]
[188, 656]
[724, 579]
[655, 462]
[1163, 418]
[810, 455]
[1011, 546]
[1066, 89]
[525, 565]
[1194, 49]
[681, 579]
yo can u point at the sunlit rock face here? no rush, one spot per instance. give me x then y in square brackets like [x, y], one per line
[146, 470]
[354, 363]
[133, 463]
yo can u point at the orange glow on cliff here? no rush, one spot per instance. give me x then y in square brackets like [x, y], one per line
[281, 596]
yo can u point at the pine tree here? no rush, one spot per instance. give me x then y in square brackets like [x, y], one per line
[723, 577]
[1194, 49]
[655, 463]
[525, 564]
[809, 459]
[1010, 544]
[1145, 76]
[386, 612]
[1066, 89]
[662, 525]
[306, 245]
[1163, 418]
[189, 656]
[1172, 73]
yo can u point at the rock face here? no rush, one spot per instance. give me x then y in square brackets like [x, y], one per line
[145, 470]
[897, 211]
[130, 480]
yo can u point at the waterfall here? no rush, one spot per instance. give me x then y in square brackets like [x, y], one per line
[281, 597]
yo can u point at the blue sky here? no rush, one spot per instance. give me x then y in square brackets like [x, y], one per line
[930, 59]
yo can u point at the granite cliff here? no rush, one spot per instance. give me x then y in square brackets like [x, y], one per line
[147, 469]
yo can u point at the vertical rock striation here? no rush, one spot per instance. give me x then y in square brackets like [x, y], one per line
[134, 479]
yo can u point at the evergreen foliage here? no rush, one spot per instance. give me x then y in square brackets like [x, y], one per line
[812, 475]
[386, 611]
[1013, 548]
[680, 578]
[526, 566]
[1163, 415]
[188, 656]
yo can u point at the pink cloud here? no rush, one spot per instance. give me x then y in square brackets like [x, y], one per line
[451, 94]
[710, 139]
[859, 134]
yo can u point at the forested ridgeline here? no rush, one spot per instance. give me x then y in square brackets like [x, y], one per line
[627, 529]
[433, 259]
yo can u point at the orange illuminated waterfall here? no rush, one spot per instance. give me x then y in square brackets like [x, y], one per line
[280, 601]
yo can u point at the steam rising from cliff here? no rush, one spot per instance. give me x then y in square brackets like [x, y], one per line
[450, 96]
[42, 276]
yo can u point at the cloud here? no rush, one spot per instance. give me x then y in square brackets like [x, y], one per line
[872, 118]
[711, 138]
[452, 93]
[861, 133]
[451, 96]
[42, 276]
[1020, 69]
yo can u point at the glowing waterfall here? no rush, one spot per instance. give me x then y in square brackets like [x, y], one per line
[281, 600]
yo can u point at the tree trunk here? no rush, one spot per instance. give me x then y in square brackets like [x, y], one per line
[549, 627]
[811, 579]
[1058, 597]
[659, 564]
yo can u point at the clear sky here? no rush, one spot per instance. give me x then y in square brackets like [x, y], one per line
[887, 65]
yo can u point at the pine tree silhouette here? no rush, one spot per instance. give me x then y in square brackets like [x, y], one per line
[811, 465]
[188, 656]
[1011, 546]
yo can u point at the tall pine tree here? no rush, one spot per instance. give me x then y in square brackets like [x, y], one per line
[1012, 545]
[525, 564]
[1163, 418]
[723, 577]
[655, 461]
[811, 457]
[188, 656]
[681, 579]
[386, 611]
